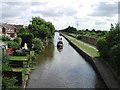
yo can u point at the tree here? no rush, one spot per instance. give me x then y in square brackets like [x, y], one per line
[93, 30]
[113, 37]
[41, 29]
[109, 47]
[22, 31]
[24, 37]
[70, 29]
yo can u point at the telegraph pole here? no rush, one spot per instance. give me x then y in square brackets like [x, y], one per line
[77, 24]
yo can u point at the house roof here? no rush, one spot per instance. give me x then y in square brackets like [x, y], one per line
[18, 26]
[7, 26]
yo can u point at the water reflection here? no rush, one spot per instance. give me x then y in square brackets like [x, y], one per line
[47, 54]
[60, 49]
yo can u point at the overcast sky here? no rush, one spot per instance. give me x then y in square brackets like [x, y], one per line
[87, 14]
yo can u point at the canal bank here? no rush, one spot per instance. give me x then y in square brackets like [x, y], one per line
[100, 66]
[63, 68]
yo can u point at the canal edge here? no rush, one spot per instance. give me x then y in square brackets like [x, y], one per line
[111, 82]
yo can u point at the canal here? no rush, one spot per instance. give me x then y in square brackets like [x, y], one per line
[63, 69]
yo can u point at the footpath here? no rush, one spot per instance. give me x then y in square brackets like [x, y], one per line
[101, 67]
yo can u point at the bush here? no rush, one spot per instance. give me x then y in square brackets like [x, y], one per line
[109, 47]
[18, 40]
[102, 47]
[113, 38]
[5, 38]
[13, 45]
[114, 57]
[32, 57]
[6, 67]
[38, 45]
[26, 38]
[8, 83]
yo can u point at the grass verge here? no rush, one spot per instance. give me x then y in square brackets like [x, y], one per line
[91, 51]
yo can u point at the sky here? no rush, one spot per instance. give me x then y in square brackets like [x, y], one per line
[81, 14]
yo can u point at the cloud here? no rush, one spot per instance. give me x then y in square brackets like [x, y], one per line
[61, 13]
[105, 9]
[55, 11]
[13, 9]
[39, 3]
[12, 3]
[100, 22]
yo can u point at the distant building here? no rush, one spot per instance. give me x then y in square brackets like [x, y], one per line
[8, 30]
[18, 27]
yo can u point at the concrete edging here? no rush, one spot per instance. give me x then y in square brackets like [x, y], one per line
[105, 74]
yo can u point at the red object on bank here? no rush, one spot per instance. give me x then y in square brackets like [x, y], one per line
[10, 51]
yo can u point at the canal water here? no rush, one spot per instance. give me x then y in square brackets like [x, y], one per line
[63, 69]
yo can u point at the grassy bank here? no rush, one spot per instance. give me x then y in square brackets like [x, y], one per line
[91, 51]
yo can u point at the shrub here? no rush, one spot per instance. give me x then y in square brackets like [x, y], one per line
[102, 47]
[114, 57]
[13, 45]
[5, 38]
[18, 40]
[6, 67]
[26, 38]
[113, 38]
[8, 83]
[38, 45]
[109, 47]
